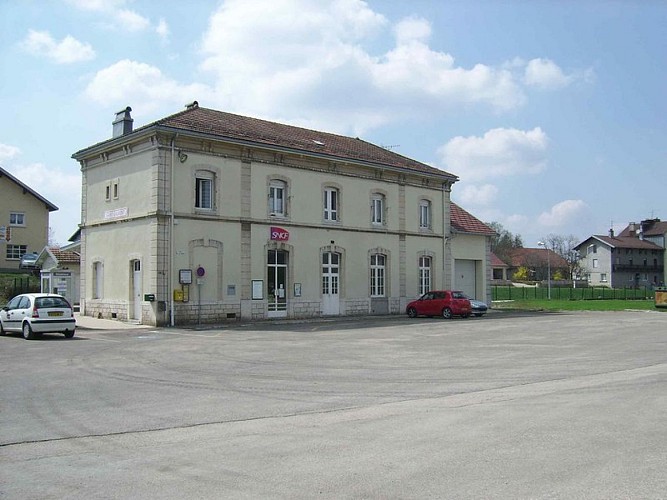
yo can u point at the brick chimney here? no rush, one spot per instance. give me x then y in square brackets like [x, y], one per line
[123, 123]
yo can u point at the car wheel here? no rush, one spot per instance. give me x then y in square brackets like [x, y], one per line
[412, 312]
[69, 334]
[28, 334]
[447, 313]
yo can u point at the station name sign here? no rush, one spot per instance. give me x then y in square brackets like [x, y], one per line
[279, 234]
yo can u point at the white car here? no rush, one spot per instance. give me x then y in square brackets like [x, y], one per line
[34, 313]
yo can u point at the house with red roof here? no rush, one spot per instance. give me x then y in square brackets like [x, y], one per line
[206, 216]
[633, 258]
[61, 269]
[471, 254]
[539, 262]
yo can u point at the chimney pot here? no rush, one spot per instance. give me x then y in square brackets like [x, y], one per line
[123, 123]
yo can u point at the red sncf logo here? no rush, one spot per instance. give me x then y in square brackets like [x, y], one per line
[280, 234]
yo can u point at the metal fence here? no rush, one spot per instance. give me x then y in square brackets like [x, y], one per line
[510, 292]
[14, 286]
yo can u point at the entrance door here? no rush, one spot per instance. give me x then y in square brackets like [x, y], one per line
[330, 283]
[277, 281]
[136, 289]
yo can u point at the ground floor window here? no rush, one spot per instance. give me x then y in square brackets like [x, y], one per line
[15, 252]
[378, 262]
[424, 274]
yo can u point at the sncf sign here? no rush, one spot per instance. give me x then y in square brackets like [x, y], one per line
[280, 234]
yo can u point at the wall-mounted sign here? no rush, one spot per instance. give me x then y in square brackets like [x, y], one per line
[185, 276]
[116, 213]
[201, 272]
[279, 234]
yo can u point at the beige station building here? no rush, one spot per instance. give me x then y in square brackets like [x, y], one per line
[207, 217]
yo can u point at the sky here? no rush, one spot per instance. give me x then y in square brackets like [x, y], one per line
[553, 114]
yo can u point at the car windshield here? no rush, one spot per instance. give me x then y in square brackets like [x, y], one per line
[45, 302]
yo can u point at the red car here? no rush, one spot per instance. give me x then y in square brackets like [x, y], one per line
[447, 303]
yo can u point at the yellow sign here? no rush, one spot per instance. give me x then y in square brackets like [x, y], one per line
[178, 295]
[661, 297]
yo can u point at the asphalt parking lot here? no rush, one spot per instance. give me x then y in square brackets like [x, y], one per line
[551, 405]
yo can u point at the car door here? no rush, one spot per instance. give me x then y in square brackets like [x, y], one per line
[12, 315]
[425, 304]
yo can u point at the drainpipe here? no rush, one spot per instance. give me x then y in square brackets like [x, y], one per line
[170, 280]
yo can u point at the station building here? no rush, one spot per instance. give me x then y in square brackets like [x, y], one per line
[205, 217]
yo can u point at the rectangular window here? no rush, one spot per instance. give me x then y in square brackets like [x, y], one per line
[377, 275]
[97, 280]
[377, 209]
[115, 189]
[595, 263]
[107, 192]
[16, 219]
[15, 252]
[424, 275]
[277, 198]
[603, 277]
[331, 204]
[424, 214]
[204, 193]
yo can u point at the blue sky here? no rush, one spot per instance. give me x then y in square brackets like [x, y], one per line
[553, 114]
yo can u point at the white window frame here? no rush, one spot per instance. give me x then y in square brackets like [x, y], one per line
[331, 204]
[424, 274]
[17, 219]
[596, 263]
[377, 209]
[378, 275]
[424, 214]
[277, 204]
[15, 252]
[205, 182]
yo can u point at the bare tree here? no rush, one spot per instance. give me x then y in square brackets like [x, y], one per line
[565, 247]
[52, 238]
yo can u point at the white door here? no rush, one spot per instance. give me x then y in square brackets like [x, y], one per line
[277, 280]
[136, 289]
[465, 277]
[330, 283]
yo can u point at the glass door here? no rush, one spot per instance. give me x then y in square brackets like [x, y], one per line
[277, 283]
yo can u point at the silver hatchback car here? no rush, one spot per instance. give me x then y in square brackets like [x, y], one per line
[34, 313]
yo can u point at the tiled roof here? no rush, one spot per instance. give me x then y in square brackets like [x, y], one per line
[65, 256]
[626, 242]
[652, 227]
[536, 256]
[464, 222]
[253, 130]
[496, 261]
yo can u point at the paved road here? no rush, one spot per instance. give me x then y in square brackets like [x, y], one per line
[504, 406]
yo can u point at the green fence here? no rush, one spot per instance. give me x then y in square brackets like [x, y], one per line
[11, 286]
[509, 292]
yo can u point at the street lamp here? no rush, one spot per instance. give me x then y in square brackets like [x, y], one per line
[542, 244]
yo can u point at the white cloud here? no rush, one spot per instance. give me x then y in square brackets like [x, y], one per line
[310, 49]
[477, 195]
[131, 21]
[68, 50]
[162, 29]
[500, 152]
[8, 152]
[562, 213]
[546, 74]
[133, 82]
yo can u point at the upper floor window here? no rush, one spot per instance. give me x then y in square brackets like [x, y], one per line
[424, 214]
[377, 209]
[277, 198]
[331, 196]
[592, 249]
[595, 263]
[204, 190]
[16, 219]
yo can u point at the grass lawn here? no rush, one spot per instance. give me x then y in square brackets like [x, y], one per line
[578, 305]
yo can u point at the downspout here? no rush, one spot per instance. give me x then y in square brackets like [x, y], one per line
[170, 280]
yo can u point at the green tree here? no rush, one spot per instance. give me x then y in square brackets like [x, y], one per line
[504, 241]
